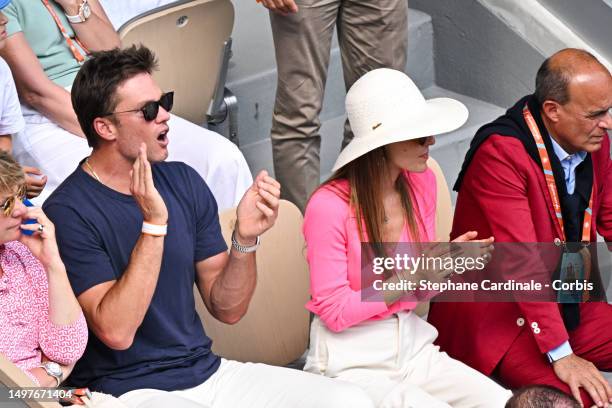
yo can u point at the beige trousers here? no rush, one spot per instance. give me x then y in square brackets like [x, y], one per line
[371, 34]
[395, 361]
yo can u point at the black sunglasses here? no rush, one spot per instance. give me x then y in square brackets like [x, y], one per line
[151, 109]
[421, 140]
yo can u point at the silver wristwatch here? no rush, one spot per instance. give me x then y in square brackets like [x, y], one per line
[83, 15]
[54, 370]
[242, 248]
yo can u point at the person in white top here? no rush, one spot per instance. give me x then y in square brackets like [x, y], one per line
[11, 119]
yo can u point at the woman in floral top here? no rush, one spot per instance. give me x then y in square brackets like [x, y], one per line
[42, 328]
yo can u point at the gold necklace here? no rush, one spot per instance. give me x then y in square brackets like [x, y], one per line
[91, 170]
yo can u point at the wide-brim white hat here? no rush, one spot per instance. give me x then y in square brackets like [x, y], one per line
[384, 106]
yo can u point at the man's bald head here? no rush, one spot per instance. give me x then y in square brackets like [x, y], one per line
[557, 72]
[574, 91]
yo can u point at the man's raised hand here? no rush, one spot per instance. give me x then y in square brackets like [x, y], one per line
[258, 208]
[149, 200]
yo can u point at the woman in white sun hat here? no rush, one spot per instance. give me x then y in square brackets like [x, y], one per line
[382, 191]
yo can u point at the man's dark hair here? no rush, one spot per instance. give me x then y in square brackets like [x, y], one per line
[541, 396]
[556, 72]
[95, 86]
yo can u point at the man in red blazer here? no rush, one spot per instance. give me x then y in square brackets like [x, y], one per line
[503, 192]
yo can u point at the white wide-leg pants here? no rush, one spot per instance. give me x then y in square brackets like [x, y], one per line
[251, 385]
[395, 361]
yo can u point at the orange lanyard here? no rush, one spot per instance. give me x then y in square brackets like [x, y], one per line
[75, 51]
[552, 184]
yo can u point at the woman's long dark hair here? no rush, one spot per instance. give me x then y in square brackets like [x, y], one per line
[366, 176]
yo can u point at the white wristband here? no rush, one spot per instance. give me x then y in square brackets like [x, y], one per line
[154, 229]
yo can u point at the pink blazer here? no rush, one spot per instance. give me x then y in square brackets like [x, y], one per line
[334, 252]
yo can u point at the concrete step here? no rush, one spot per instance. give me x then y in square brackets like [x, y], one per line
[256, 93]
[473, 46]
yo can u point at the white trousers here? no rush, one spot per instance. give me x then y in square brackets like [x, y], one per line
[395, 361]
[251, 385]
[57, 152]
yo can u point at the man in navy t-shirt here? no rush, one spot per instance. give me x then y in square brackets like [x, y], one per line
[136, 233]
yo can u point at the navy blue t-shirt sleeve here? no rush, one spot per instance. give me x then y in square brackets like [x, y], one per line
[82, 251]
[209, 240]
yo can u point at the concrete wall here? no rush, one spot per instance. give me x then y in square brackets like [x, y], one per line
[476, 54]
[590, 19]
[491, 49]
